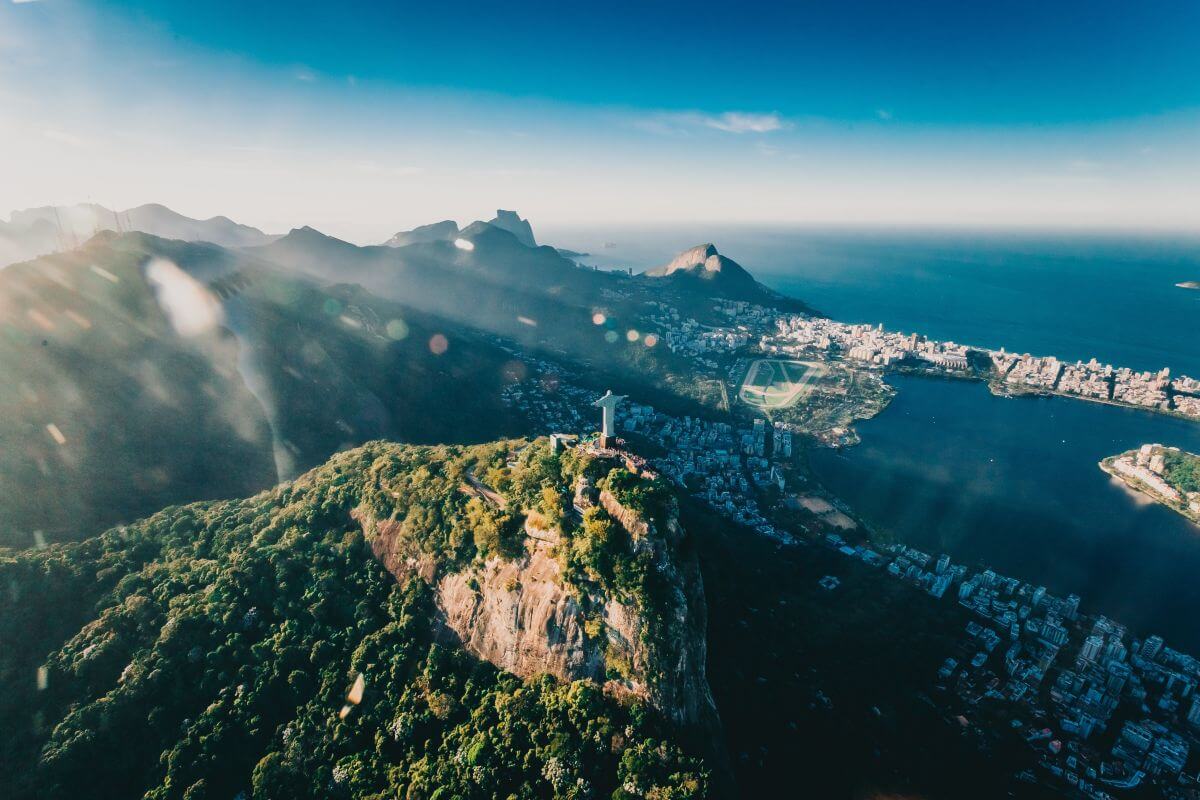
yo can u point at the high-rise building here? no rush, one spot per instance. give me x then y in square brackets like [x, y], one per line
[1072, 608]
[1054, 633]
[1151, 647]
[1118, 674]
[1091, 648]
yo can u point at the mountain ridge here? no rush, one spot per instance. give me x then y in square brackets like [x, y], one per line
[32, 232]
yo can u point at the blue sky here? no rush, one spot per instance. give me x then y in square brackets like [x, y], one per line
[360, 118]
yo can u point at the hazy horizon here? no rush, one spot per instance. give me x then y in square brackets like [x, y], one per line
[689, 232]
[364, 121]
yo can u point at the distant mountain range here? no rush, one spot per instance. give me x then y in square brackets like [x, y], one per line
[444, 231]
[36, 231]
[447, 231]
[143, 371]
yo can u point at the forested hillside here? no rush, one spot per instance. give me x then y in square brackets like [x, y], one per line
[257, 648]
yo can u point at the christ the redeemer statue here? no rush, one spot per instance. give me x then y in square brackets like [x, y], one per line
[610, 401]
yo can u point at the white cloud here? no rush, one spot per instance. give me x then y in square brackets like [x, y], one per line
[742, 122]
[684, 123]
[883, 113]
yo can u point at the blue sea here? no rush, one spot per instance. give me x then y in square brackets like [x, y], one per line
[1010, 483]
[1069, 295]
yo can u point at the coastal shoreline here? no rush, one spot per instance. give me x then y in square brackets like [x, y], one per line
[1143, 489]
[1000, 388]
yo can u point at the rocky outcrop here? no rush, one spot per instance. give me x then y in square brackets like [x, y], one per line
[688, 259]
[703, 261]
[700, 273]
[510, 221]
[522, 616]
[518, 615]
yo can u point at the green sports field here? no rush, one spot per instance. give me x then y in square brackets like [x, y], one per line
[772, 383]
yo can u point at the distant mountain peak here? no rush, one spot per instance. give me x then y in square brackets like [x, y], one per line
[701, 271]
[702, 260]
[511, 221]
[442, 231]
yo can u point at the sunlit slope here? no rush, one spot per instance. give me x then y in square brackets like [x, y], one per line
[106, 411]
[143, 372]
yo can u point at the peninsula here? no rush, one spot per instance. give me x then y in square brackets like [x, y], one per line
[1167, 475]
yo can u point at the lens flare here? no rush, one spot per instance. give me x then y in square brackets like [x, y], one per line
[397, 329]
[188, 305]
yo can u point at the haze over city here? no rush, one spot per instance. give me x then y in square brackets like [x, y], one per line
[360, 119]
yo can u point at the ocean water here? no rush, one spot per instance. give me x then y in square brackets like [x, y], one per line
[1072, 296]
[1010, 483]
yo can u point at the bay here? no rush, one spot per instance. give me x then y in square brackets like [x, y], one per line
[1014, 484]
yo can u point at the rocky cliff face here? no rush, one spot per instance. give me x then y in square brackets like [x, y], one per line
[692, 257]
[704, 261]
[522, 616]
[512, 222]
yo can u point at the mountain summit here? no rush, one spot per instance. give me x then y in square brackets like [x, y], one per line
[702, 260]
[702, 272]
[510, 221]
[447, 230]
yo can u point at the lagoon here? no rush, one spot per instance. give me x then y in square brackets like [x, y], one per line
[1014, 484]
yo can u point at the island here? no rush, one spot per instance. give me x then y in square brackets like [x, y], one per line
[1167, 475]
